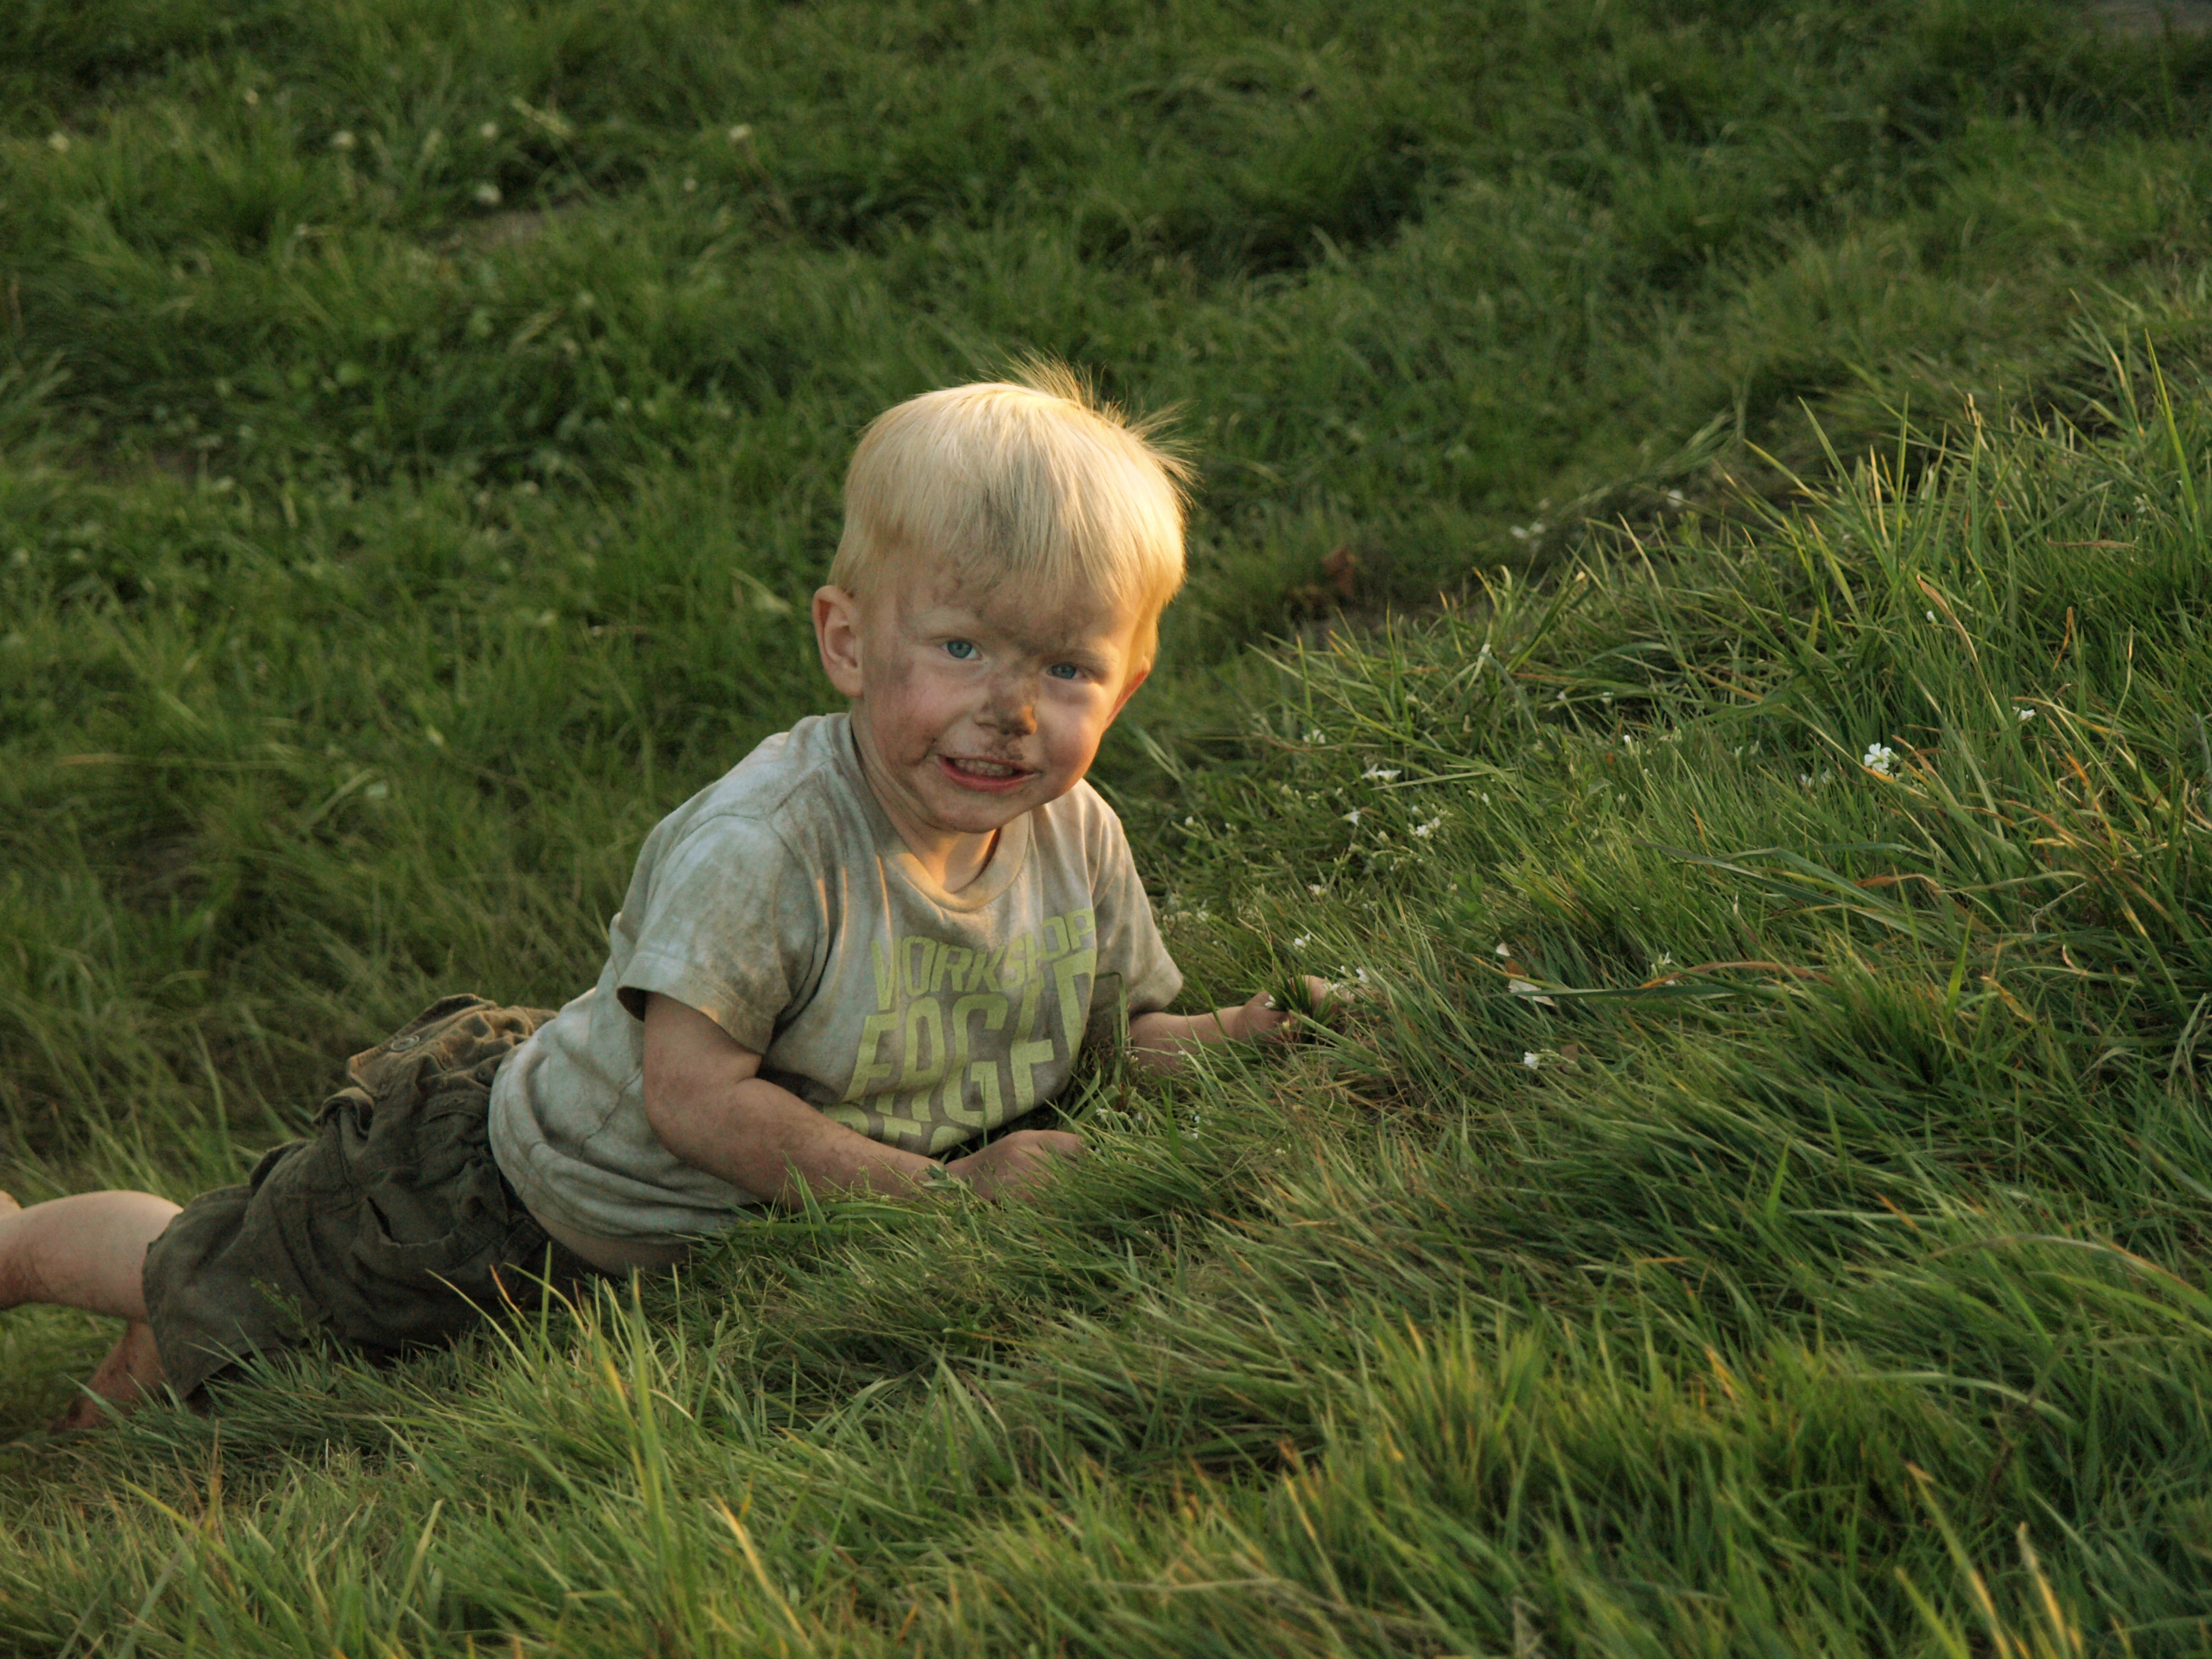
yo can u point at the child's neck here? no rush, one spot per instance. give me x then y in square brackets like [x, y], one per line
[955, 863]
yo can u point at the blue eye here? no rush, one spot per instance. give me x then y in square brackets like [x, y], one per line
[961, 650]
[1063, 671]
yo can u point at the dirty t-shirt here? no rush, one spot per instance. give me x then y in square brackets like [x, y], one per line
[780, 903]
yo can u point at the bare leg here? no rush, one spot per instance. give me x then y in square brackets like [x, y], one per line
[89, 1252]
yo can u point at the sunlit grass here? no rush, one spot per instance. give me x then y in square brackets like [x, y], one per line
[1755, 1199]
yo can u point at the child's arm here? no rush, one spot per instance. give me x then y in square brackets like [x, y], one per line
[1158, 1042]
[706, 1103]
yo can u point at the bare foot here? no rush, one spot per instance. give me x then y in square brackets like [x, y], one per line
[132, 1370]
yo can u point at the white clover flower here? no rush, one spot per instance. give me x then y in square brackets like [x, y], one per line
[1532, 1061]
[1879, 757]
[487, 194]
[2026, 714]
[1385, 772]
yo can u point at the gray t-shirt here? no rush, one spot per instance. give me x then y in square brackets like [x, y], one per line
[780, 903]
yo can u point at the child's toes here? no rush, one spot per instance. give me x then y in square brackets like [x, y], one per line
[7, 1203]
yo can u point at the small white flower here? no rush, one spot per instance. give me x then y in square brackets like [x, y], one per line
[740, 132]
[2026, 714]
[1520, 532]
[58, 143]
[1190, 823]
[1533, 992]
[1805, 780]
[1675, 498]
[1503, 950]
[487, 194]
[1563, 696]
[1666, 959]
[1423, 831]
[691, 185]
[489, 130]
[1385, 772]
[1314, 888]
[1532, 1061]
[342, 140]
[1315, 734]
[1301, 941]
[1485, 800]
[1879, 757]
[1352, 817]
[1931, 615]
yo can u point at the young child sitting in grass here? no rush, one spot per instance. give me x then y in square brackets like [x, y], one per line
[883, 934]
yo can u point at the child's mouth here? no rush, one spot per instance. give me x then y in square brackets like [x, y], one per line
[992, 777]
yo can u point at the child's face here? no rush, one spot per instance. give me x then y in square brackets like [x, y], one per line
[971, 704]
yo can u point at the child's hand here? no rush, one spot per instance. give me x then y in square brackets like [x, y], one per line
[1013, 1164]
[1266, 1020]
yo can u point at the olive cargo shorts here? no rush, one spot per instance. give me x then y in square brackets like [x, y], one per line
[390, 1229]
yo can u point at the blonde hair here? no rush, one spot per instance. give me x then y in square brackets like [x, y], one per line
[1037, 479]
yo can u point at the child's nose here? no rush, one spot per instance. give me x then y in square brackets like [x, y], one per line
[1009, 709]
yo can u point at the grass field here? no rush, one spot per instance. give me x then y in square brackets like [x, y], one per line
[1759, 1205]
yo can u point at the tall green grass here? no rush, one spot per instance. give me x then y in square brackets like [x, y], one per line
[1754, 1203]
[1791, 1243]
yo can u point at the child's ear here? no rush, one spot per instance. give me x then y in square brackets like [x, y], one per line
[1137, 677]
[837, 636]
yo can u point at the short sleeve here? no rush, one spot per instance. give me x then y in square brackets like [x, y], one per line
[729, 923]
[1135, 973]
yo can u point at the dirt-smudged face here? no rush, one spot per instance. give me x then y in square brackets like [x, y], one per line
[972, 705]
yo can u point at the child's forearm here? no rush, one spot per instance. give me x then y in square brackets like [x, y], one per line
[765, 1140]
[1158, 1042]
